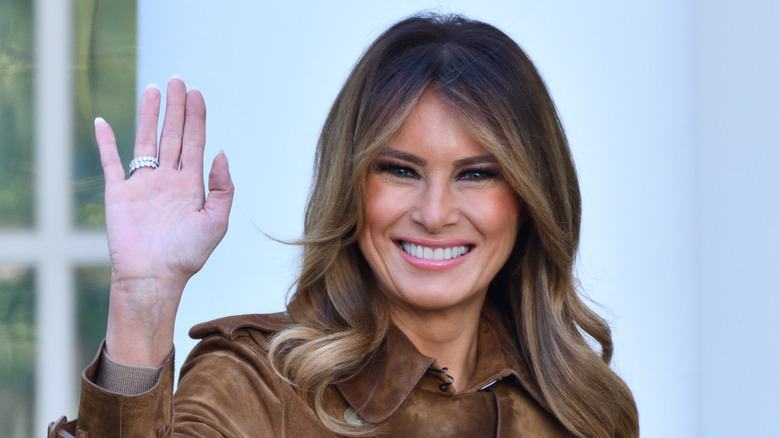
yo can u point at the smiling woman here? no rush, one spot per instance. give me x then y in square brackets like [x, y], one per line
[444, 136]
[440, 222]
[436, 295]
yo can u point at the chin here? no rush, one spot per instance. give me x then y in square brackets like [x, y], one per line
[438, 299]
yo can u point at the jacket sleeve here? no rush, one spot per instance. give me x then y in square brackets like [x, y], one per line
[103, 413]
[126, 379]
[226, 389]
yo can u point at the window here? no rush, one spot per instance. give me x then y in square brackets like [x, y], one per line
[62, 63]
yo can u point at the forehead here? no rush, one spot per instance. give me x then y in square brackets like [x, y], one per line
[433, 130]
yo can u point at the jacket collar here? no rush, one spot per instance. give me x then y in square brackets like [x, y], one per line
[381, 387]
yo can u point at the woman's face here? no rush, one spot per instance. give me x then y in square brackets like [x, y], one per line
[440, 221]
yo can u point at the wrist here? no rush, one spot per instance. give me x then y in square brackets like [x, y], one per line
[141, 319]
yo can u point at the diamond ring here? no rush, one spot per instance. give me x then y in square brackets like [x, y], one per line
[140, 162]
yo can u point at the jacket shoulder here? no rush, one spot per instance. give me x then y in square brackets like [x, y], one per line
[230, 327]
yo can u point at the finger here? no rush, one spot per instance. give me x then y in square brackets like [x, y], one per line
[173, 123]
[194, 139]
[148, 114]
[220, 197]
[109, 157]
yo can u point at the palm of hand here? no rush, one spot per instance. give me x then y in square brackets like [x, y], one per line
[160, 224]
[157, 225]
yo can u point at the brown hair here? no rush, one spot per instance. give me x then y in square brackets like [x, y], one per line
[501, 98]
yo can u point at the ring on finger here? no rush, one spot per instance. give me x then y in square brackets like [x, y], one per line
[140, 162]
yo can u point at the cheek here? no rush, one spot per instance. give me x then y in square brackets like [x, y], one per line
[497, 213]
[373, 206]
[379, 213]
[381, 210]
[383, 205]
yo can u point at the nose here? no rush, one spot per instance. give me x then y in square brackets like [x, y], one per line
[435, 206]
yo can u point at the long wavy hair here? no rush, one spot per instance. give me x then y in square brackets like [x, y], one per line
[500, 97]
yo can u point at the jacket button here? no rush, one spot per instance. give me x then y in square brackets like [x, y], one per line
[352, 417]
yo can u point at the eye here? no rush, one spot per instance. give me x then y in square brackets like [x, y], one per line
[477, 175]
[397, 170]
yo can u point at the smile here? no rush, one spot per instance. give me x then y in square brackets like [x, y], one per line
[427, 253]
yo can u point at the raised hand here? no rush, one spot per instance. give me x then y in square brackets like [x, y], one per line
[161, 225]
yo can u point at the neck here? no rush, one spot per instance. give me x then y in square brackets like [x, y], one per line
[448, 336]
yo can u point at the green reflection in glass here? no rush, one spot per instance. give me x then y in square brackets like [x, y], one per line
[16, 114]
[104, 79]
[92, 285]
[17, 351]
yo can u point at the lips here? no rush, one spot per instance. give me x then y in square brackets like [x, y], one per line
[439, 253]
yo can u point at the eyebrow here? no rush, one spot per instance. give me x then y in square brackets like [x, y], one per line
[421, 162]
[476, 160]
[404, 156]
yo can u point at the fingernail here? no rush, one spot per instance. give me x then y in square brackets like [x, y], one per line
[152, 85]
[176, 76]
[194, 89]
[222, 152]
[99, 120]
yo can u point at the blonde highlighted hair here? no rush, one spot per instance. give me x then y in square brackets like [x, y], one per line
[501, 98]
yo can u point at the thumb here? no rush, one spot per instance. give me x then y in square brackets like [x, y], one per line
[220, 197]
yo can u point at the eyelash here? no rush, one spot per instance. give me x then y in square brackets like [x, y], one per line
[486, 174]
[397, 170]
[402, 171]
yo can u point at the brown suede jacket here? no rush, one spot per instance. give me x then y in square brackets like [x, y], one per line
[228, 389]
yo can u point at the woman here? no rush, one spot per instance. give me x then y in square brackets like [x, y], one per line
[436, 296]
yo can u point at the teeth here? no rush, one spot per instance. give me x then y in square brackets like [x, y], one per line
[426, 253]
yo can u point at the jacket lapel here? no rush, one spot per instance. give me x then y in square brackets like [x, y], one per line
[384, 383]
[380, 388]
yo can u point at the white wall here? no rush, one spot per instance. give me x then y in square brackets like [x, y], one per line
[737, 114]
[662, 251]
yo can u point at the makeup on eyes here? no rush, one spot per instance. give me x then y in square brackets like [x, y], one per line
[480, 168]
[396, 169]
